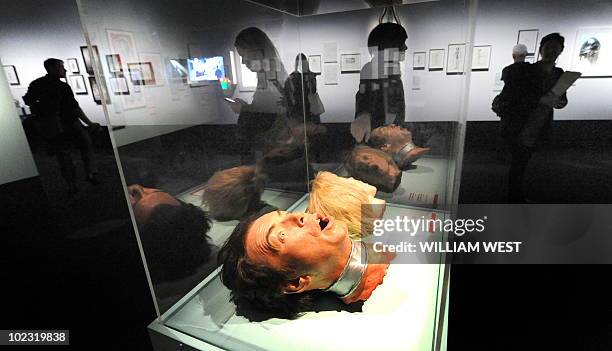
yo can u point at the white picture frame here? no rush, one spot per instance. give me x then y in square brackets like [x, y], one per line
[592, 54]
[498, 83]
[529, 38]
[350, 63]
[119, 85]
[419, 59]
[314, 63]
[99, 91]
[77, 83]
[416, 82]
[330, 52]
[455, 63]
[89, 65]
[122, 43]
[135, 100]
[11, 74]
[141, 73]
[481, 57]
[157, 65]
[113, 61]
[436, 59]
[73, 65]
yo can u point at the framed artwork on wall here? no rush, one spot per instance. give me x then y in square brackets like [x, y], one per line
[592, 52]
[98, 91]
[119, 86]
[529, 37]
[176, 70]
[330, 52]
[436, 59]
[122, 43]
[11, 74]
[141, 73]
[314, 62]
[73, 65]
[481, 58]
[418, 60]
[89, 66]
[114, 64]
[350, 63]
[77, 83]
[157, 66]
[455, 63]
[95, 90]
[135, 99]
[330, 73]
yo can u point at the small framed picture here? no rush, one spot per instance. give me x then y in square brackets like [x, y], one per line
[418, 60]
[350, 63]
[481, 57]
[77, 83]
[98, 91]
[119, 86]
[436, 59]
[141, 73]
[314, 61]
[529, 37]
[89, 66]
[11, 75]
[73, 65]
[114, 63]
[455, 63]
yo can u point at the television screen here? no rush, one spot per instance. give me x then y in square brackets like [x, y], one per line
[203, 69]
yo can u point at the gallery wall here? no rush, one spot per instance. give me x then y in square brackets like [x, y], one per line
[437, 98]
[15, 155]
[434, 95]
[177, 31]
[169, 29]
[498, 24]
[32, 31]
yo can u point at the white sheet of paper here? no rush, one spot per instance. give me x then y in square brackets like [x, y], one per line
[565, 82]
[330, 52]
[330, 72]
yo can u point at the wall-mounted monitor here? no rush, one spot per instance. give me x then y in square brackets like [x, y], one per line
[205, 69]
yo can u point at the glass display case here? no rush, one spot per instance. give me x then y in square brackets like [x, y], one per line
[224, 111]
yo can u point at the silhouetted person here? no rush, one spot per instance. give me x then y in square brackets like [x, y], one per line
[516, 100]
[60, 116]
[300, 89]
[380, 99]
[533, 111]
[255, 120]
[304, 104]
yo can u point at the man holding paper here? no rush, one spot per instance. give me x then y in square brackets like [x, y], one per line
[548, 87]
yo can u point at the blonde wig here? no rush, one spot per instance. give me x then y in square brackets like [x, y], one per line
[341, 198]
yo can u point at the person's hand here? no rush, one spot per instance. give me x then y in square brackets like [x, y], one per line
[361, 128]
[550, 99]
[237, 105]
[94, 126]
